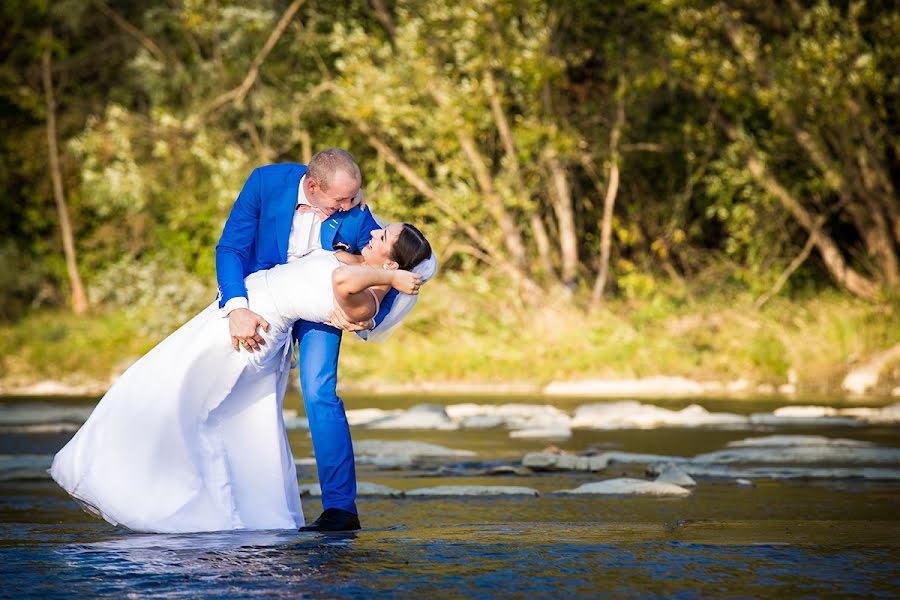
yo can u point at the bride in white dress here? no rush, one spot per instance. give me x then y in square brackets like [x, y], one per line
[191, 437]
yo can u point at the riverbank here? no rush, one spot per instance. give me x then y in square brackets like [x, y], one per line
[465, 339]
[650, 387]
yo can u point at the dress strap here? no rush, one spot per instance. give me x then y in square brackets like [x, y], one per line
[377, 303]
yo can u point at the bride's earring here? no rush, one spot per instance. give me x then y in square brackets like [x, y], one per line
[384, 267]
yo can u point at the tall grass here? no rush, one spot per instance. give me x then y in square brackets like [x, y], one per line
[481, 331]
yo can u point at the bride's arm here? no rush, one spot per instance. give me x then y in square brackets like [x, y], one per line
[347, 258]
[351, 282]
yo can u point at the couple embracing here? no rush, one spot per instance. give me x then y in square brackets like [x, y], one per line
[191, 437]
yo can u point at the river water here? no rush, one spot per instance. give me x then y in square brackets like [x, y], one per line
[799, 537]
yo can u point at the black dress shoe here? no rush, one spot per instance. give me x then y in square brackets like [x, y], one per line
[334, 519]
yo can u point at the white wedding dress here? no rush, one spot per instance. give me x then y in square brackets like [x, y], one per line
[191, 437]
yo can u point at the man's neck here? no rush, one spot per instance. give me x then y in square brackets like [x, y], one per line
[304, 185]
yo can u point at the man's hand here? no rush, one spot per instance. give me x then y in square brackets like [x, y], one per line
[337, 318]
[359, 200]
[243, 324]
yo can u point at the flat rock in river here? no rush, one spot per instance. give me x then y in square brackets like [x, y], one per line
[781, 473]
[672, 474]
[406, 448]
[631, 414]
[474, 490]
[802, 455]
[363, 488]
[771, 441]
[542, 433]
[627, 486]
[545, 461]
[422, 416]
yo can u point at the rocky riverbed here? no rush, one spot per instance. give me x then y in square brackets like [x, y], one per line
[477, 494]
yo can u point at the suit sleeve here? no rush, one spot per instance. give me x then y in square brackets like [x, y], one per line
[386, 304]
[364, 231]
[237, 239]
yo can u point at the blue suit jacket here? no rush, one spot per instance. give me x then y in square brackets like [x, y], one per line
[256, 233]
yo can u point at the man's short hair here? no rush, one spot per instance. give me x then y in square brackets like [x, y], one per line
[326, 163]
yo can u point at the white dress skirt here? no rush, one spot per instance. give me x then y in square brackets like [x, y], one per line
[191, 437]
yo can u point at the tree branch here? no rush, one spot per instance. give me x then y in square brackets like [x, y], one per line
[133, 31]
[645, 147]
[420, 184]
[237, 95]
[786, 274]
[845, 275]
[612, 190]
[876, 231]
[384, 16]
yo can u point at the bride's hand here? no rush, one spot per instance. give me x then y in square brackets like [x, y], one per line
[406, 282]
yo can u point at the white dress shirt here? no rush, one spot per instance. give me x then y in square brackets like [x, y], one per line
[306, 236]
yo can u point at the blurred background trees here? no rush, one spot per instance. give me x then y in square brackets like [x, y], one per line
[602, 150]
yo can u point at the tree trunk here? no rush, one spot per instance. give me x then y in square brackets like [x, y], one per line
[874, 170]
[542, 240]
[609, 199]
[512, 160]
[831, 255]
[870, 221]
[873, 224]
[512, 237]
[506, 136]
[418, 183]
[79, 297]
[565, 216]
[845, 275]
[609, 202]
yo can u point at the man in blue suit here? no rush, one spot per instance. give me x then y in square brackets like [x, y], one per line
[283, 212]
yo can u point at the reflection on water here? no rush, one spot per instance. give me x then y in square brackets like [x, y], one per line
[234, 562]
[837, 538]
[487, 560]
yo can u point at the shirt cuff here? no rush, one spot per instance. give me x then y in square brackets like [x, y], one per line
[236, 302]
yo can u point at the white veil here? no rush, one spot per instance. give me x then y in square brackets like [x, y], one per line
[403, 303]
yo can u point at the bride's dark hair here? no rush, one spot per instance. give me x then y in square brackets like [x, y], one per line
[410, 248]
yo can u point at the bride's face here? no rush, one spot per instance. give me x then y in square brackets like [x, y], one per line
[377, 253]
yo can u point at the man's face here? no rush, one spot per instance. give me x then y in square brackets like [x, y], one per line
[340, 195]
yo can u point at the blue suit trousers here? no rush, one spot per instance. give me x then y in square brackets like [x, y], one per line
[320, 346]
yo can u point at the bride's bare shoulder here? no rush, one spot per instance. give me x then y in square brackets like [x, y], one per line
[347, 258]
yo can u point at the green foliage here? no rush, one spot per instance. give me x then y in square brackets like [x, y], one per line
[20, 281]
[158, 132]
[156, 194]
[61, 347]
